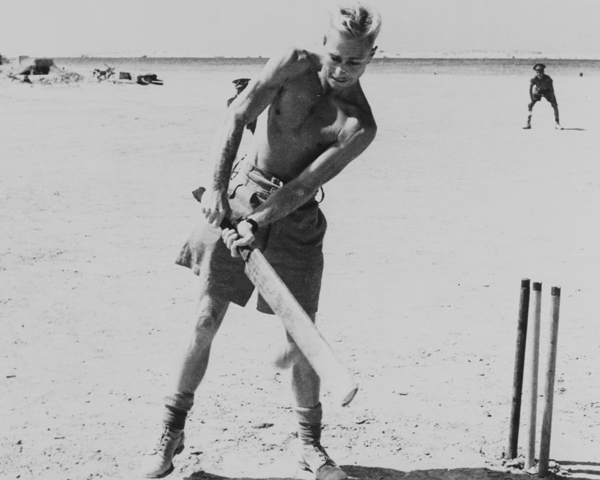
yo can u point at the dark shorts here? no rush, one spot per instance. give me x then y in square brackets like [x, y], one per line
[292, 245]
[547, 95]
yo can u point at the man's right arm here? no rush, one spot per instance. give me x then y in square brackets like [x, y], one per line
[531, 87]
[246, 108]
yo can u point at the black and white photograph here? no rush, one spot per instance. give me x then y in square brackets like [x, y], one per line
[284, 239]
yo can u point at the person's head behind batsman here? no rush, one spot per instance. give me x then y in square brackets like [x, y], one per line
[349, 43]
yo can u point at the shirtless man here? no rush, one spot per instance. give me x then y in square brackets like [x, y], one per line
[541, 86]
[318, 121]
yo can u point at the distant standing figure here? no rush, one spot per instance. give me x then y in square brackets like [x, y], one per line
[541, 86]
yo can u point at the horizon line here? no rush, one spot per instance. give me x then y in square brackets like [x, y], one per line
[465, 56]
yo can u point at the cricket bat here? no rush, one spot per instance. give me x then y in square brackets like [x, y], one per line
[336, 378]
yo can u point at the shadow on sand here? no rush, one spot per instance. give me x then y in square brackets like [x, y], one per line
[574, 128]
[356, 472]
[581, 468]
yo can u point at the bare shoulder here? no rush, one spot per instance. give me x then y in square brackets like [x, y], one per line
[291, 63]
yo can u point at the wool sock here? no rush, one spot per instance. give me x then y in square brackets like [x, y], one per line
[309, 423]
[177, 406]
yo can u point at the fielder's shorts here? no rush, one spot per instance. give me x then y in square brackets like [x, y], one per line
[547, 95]
[292, 245]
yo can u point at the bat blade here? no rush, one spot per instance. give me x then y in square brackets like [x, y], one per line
[335, 376]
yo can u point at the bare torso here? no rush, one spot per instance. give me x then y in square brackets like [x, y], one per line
[303, 121]
[317, 121]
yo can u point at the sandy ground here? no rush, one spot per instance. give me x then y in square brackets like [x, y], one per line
[430, 233]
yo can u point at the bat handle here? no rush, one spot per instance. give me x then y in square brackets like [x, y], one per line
[225, 223]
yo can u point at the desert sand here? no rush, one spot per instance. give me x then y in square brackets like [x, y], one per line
[430, 233]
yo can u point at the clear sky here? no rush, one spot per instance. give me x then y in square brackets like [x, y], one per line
[565, 28]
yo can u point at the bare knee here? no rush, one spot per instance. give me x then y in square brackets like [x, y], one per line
[290, 340]
[210, 312]
[306, 384]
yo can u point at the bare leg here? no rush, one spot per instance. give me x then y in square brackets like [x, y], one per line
[287, 355]
[530, 109]
[306, 385]
[209, 316]
[159, 461]
[556, 116]
[312, 456]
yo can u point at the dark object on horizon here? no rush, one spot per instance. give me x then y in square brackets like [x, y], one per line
[581, 74]
[240, 84]
[103, 74]
[148, 79]
[37, 66]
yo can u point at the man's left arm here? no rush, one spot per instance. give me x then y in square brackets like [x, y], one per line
[551, 85]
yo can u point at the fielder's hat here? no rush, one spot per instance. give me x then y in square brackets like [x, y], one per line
[539, 66]
[240, 83]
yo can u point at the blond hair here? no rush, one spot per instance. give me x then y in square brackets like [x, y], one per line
[356, 19]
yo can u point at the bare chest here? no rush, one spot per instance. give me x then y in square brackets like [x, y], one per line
[305, 117]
